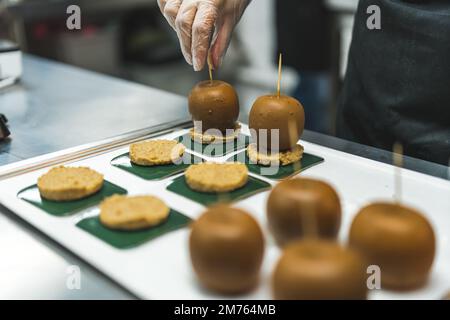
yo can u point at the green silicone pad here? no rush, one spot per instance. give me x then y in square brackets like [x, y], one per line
[154, 172]
[61, 209]
[253, 186]
[214, 150]
[281, 172]
[129, 239]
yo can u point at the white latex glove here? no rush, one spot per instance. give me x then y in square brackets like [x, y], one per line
[202, 26]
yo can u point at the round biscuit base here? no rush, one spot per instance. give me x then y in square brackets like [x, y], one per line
[156, 152]
[216, 177]
[121, 212]
[69, 183]
[283, 158]
[214, 139]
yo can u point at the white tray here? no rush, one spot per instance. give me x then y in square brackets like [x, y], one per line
[161, 269]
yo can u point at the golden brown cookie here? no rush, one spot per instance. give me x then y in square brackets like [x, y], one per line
[69, 183]
[206, 138]
[216, 177]
[284, 158]
[156, 152]
[132, 212]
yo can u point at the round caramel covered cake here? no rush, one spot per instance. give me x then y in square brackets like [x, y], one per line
[399, 240]
[297, 205]
[283, 114]
[215, 104]
[227, 248]
[319, 270]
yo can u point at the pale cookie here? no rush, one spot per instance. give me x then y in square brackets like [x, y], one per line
[156, 152]
[284, 158]
[206, 138]
[69, 183]
[132, 213]
[216, 177]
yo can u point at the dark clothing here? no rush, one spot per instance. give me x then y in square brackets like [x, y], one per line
[397, 86]
[304, 34]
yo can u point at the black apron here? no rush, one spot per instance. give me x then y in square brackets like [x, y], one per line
[397, 86]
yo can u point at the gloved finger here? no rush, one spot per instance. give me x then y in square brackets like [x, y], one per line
[183, 27]
[221, 43]
[170, 11]
[202, 30]
[161, 5]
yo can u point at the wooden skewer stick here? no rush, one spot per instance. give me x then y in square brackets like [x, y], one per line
[210, 68]
[398, 162]
[280, 61]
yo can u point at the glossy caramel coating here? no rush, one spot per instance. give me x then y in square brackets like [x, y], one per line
[296, 202]
[399, 240]
[216, 104]
[319, 270]
[227, 248]
[272, 112]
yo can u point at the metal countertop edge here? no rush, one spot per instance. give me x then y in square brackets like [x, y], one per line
[90, 149]
[94, 148]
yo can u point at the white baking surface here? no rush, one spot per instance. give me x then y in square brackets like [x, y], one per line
[160, 269]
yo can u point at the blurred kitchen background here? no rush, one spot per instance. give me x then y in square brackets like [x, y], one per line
[131, 40]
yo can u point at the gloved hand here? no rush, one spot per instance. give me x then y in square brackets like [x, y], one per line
[202, 26]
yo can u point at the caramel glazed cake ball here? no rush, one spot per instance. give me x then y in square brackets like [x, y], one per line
[215, 105]
[272, 112]
[227, 248]
[399, 240]
[295, 205]
[319, 270]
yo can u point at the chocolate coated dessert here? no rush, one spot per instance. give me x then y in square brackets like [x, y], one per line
[227, 248]
[272, 112]
[319, 270]
[214, 103]
[295, 203]
[399, 240]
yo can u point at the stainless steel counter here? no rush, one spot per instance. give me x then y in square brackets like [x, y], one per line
[56, 107]
[53, 108]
